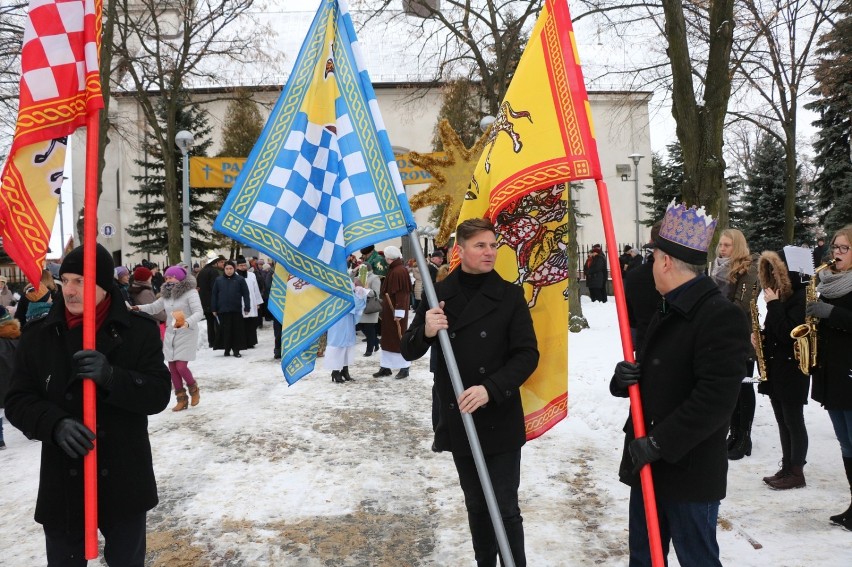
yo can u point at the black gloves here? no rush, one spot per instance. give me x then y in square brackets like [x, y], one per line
[73, 437]
[626, 374]
[93, 364]
[643, 451]
[819, 309]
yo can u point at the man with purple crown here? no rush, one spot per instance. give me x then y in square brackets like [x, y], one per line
[689, 372]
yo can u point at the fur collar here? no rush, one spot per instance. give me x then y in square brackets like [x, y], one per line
[179, 288]
[772, 273]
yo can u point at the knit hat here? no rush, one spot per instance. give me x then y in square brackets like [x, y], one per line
[4, 315]
[141, 274]
[437, 254]
[73, 264]
[241, 260]
[368, 249]
[392, 253]
[175, 272]
[686, 233]
[121, 271]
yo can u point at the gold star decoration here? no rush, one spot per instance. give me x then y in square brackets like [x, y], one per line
[452, 175]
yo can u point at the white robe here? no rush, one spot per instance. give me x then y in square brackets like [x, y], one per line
[255, 298]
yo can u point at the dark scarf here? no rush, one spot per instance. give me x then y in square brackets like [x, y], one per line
[101, 312]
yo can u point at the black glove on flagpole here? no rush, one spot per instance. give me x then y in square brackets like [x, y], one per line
[73, 437]
[93, 364]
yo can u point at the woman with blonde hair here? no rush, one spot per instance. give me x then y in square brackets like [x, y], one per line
[735, 273]
[831, 384]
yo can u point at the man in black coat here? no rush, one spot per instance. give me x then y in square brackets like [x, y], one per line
[230, 301]
[206, 277]
[596, 274]
[492, 334]
[689, 374]
[45, 403]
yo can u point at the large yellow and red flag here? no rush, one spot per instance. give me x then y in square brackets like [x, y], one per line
[542, 139]
[60, 85]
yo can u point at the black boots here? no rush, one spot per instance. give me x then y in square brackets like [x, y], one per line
[382, 372]
[403, 373]
[345, 374]
[337, 377]
[845, 519]
[733, 435]
[742, 445]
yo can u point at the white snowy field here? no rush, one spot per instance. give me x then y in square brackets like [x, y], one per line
[342, 475]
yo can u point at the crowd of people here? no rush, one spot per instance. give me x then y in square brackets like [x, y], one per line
[700, 348]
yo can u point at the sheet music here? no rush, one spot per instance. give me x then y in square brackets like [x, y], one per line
[799, 259]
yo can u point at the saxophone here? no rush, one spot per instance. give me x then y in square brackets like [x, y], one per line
[805, 347]
[758, 337]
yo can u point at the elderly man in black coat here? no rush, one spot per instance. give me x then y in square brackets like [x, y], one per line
[689, 374]
[492, 335]
[45, 403]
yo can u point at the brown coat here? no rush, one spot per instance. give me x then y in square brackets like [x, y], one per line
[397, 285]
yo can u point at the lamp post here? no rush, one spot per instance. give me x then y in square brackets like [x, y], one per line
[636, 158]
[184, 141]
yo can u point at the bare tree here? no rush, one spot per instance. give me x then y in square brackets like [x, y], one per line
[12, 17]
[164, 46]
[774, 60]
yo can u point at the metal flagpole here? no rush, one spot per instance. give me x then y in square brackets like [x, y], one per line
[467, 419]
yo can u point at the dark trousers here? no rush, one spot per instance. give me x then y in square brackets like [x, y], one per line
[505, 472]
[371, 335]
[690, 526]
[792, 431]
[124, 544]
[212, 326]
[276, 332]
[598, 294]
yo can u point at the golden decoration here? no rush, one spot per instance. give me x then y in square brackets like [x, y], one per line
[452, 175]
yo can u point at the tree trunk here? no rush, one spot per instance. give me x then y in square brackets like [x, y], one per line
[791, 165]
[576, 321]
[700, 125]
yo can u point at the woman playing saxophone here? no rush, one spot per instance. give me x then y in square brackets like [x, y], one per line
[787, 389]
[832, 375]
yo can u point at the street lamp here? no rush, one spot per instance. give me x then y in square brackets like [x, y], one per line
[184, 141]
[636, 158]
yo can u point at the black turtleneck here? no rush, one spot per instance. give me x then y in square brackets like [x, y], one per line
[470, 283]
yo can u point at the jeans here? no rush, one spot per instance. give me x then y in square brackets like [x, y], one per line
[842, 422]
[124, 544]
[690, 526]
[505, 472]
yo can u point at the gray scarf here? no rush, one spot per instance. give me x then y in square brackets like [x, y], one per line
[719, 271]
[834, 285]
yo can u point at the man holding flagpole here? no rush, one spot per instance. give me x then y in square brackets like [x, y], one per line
[689, 373]
[44, 402]
[491, 331]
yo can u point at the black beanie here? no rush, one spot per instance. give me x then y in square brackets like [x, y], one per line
[73, 264]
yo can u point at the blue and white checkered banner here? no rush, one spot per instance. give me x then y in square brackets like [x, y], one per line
[320, 183]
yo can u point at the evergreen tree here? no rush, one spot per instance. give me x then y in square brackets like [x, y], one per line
[833, 183]
[242, 128]
[149, 234]
[666, 183]
[763, 199]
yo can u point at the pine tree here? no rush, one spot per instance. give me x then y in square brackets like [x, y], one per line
[148, 234]
[763, 198]
[242, 128]
[833, 183]
[666, 183]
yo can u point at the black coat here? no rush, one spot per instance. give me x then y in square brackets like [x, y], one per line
[643, 299]
[693, 363]
[43, 392]
[785, 382]
[494, 342]
[228, 293]
[831, 384]
[205, 279]
[596, 271]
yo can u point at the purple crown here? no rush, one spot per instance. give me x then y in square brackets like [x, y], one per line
[688, 226]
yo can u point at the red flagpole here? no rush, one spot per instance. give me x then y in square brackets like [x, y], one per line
[651, 518]
[90, 236]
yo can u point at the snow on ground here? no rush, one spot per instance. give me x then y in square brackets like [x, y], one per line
[322, 474]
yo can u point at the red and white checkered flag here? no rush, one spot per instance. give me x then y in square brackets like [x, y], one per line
[60, 87]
